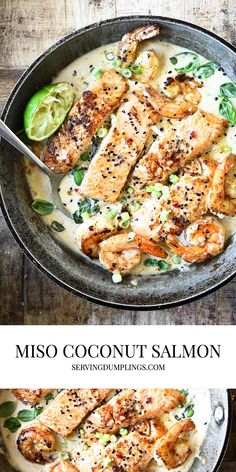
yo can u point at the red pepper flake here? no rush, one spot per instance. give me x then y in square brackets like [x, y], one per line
[76, 189]
[175, 204]
[148, 399]
[129, 140]
[193, 134]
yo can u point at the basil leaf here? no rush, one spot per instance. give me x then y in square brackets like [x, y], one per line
[86, 205]
[37, 411]
[185, 61]
[228, 111]
[57, 226]
[78, 175]
[149, 262]
[26, 415]
[13, 424]
[42, 207]
[48, 397]
[228, 89]
[6, 409]
[206, 70]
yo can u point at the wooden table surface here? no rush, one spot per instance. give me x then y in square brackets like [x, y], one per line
[27, 27]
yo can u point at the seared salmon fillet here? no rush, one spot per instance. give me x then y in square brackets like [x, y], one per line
[63, 466]
[109, 169]
[180, 144]
[131, 453]
[70, 407]
[86, 116]
[132, 406]
[28, 395]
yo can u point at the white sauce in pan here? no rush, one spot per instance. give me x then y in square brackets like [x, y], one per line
[78, 74]
[202, 417]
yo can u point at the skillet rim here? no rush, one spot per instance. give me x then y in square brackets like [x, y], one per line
[7, 218]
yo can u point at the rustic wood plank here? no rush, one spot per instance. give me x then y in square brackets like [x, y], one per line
[26, 29]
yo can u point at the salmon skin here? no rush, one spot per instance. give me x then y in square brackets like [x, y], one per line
[130, 407]
[86, 116]
[70, 407]
[28, 395]
[192, 138]
[109, 169]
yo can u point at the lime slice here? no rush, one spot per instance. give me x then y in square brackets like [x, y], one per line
[47, 109]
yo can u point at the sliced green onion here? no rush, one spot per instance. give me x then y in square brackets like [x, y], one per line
[111, 214]
[185, 61]
[116, 278]
[82, 431]
[163, 265]
[125, 216]
[158, 187]
[136, 69]
[104, 439]
[126, 73]
[117, 63]
[130, 190]
[176, 260]
[123, 200]
[156, 194]
[174, 178]
[190, 413]
[110, 56]
[99, 435]
[164, 216]
[113, 438]
[124, 224]
[102, 132]
[123, 431]
[64, 456]
[85, 215]
[226, 149]
[106, 462]
[150, 188]
[84, 156]
[135, 207]
[97, 73]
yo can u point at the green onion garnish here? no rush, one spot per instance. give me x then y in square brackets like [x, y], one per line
[111, 214]
[126, 73]
[97, 73]
[174, 178]
[109, 56]
[136, 69]
[117, 63]
[135, 207]
[176, 260]
[130, 190]
[125, 216]
[102, 132]
[164, 216]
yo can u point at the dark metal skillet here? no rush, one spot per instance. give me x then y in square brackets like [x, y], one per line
[77, 273]
[214, 445]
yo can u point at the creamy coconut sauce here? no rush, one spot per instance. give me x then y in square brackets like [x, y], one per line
[199, 399]
[78, 74]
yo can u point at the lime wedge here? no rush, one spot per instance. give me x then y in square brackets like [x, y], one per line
[46, 110]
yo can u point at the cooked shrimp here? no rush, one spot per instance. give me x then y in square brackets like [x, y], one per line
[222, 197]
[29, 395]
[149, 65]
[92, 232]
[181, 97]
[37, 444]
[121, 253]
[207, 236]
[63, 466]
[128, 45]
[174, 447]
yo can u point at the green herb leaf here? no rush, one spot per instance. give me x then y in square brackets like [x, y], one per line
[163, 265]
[6, 409]
[84, 156]
[42, 207]
[228, 89]
[13, 424]
[185, 392]
[78, 175]
[57, 226]
[206, 70]
[185, 61]
[86, 205]
[37, 411]
[228, 111]
[26, 415]
[48, 397]
[150, 262]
